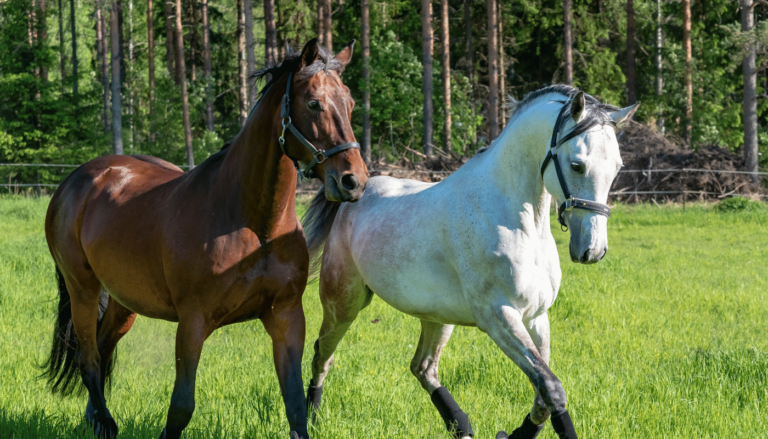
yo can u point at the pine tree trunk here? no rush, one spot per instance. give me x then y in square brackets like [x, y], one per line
[242, 97]
[280, 37]
[688, 133]
[104, 62]
[122, 42]
[207, 67]
[270, 34]
[328, 25]
[183, 81]
[750, 94]
[170, 44]
[192, 41]
[250, 56]
[502, 70]
[470, 55]
[631, 52]
[446, 46]
[117, 111]
[320, 22]
[42, 24]
[62, 58]
[74, 44]
[366, 37]
[426, 46]
[151, 67]
[493, 78]
[659, 77]
[129, 78]
[568, 42]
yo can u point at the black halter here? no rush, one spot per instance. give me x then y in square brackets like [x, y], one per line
[318, 154]
[570, 201]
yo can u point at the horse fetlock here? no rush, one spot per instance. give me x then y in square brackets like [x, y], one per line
[539, 412]
[553, 395]
[426, 372]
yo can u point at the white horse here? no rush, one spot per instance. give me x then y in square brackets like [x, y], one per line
[476, 249]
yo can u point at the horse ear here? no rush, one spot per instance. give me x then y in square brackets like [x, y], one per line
[345, 55]
[623, 115]
[577, 106]
[309, 53]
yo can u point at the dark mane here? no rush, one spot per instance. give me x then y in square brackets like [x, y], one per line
[596, 112]
[325, 61]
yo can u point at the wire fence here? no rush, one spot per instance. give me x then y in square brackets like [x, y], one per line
[406, 172]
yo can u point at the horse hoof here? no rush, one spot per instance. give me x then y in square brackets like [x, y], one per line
[502, 435]
[162, 435]
[105, 428]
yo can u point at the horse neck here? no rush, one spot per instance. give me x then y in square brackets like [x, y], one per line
[263, 178]
[514, 162]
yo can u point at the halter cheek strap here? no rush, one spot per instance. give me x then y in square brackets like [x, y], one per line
[318, 155]
[570, 201]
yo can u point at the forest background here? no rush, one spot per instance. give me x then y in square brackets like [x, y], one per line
[83, 78]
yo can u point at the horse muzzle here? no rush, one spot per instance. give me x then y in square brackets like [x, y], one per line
[346, 187]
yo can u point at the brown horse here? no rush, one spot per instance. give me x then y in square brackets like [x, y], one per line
[218, 245]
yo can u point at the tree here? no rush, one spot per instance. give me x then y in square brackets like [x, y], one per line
[470, 59]
[62, 58]
[426, 47]
[183, 81]
[242, 94]
[151, 62]
[192, 41]
[502, 68]
[328, 25]
[493, 79]
[749, 103]
[659, 77]
[170, 44]
[568, 42]
[366, 37]
[631, 52]
[688, 132]
[117, 111]
[249, 55]
[74, 45]
[207, 67]
[101, 54]
[446, 71]
[320, 20]
[270, 31]
[42, 33]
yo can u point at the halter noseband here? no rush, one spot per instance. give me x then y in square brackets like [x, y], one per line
[318, 155]
[570, 201]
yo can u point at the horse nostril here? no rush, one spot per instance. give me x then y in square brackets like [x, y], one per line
[584, 257]
[349, 182]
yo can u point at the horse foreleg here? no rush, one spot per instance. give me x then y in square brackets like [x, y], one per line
[285, 325]
[505, 326]
[424, 366]
[190, 336]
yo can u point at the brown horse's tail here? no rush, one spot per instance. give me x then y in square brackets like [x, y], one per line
[60, 369]
[317, 222]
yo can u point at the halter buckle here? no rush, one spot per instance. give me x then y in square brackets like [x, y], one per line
[568, 204]
[281, 139]
[319, 156]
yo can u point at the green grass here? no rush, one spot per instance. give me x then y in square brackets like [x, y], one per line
[665, 338]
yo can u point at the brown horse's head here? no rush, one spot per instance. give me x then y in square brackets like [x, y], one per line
[321, 109]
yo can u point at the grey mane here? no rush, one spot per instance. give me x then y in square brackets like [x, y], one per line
[596, 112]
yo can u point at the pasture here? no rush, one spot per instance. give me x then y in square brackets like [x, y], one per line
[665, 338]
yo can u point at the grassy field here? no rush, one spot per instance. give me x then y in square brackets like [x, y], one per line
[665, 338]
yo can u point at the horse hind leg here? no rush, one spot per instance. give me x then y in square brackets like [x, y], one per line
[114, 322]
[84, 295]
[342, 298]
[424, 366]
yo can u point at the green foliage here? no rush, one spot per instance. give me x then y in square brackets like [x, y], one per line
[738, 204]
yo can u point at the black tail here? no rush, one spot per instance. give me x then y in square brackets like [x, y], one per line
[60, 369]
[317, 224]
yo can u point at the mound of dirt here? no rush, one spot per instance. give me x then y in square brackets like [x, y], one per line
[655, 163]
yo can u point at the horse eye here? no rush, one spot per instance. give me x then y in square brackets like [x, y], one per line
[577, 167]
[314, 105]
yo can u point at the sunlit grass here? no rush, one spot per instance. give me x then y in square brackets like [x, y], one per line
[665, 338]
